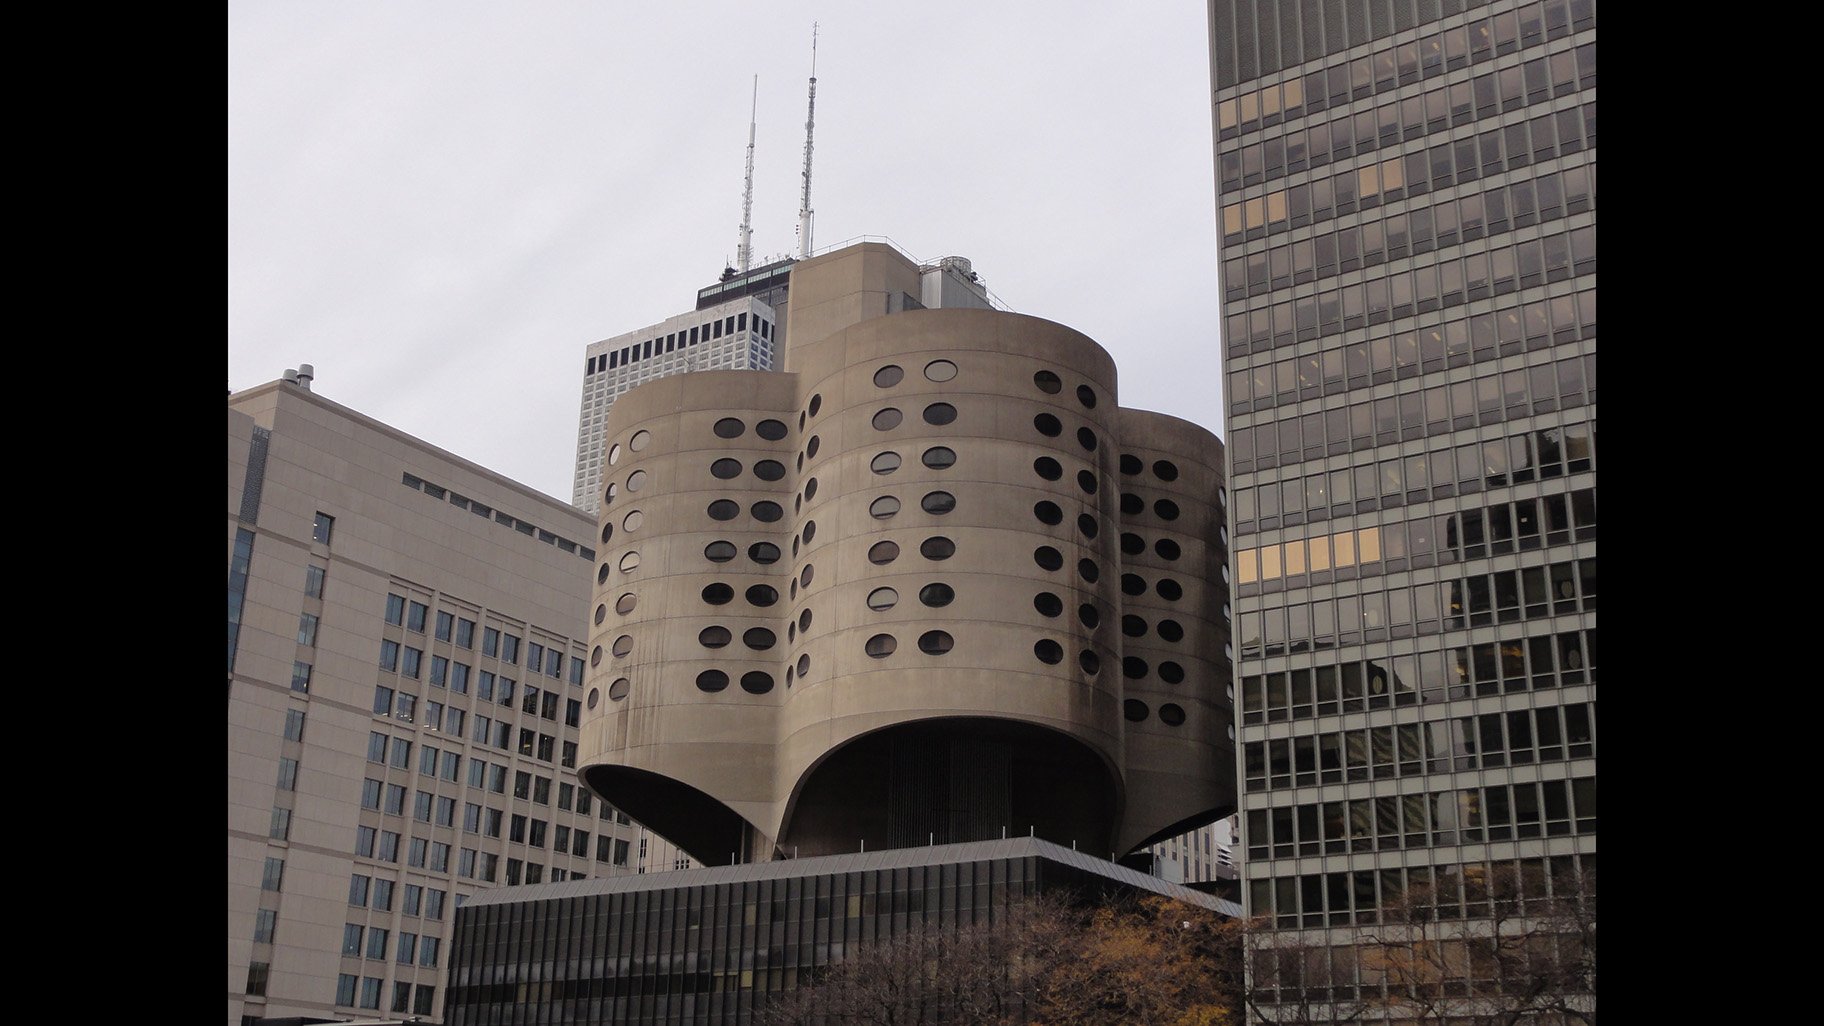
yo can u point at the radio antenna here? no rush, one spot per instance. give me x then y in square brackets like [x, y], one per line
[810, 124]
[744, 252]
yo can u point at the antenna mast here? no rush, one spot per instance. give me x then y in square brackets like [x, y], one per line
[744, 252]
[810, 123]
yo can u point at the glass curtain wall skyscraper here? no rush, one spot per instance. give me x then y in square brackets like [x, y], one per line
[1406, 193]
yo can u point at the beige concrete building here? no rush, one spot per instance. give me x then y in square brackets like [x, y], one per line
[406, 643]
[930, 584]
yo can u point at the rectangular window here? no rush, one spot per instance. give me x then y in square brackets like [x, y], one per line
[370, 992]
[395, 609]
[345, 990]
[402, 752]
[364, 842]
[288, 774]
[427, 764]
[321, 530]
[459, 678]
[465, 633]
[490, 641]
[256, 978]
[509, 648]
[440, 671]
[389, 656]
[402, 996]
[433, 904]
[484, 686]
[265, 922]
[370, 793]
[273, 875]
[383, 895]
[389, 846]
[428, 950]
[376, 942]
[535, 654]
[414, 616]
[357, 890]
[307, 629]
[294, 724]
[408, 948]
[554, 664]
[414, 658]
[313, 582]
[576, 669]
[452, 761]
[300, 676]
[281, 825]
[415, 852]
[395, 799]
[414, 899]
[351, 939]
[446, 625]
[423, 998]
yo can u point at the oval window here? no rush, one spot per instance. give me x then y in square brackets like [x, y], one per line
[1171, 630]
[1166, 548]
[1133, 668]
[719, 551]
[634, 520]
[939, 414]
[763, 553]
[718, 594]
[1171, 715]
[618, 690]
[1048, 382]
[1047, 557]
[1133, 584]
[816, 403]
[811, 447]
[729, 427]
[804, 621]
[804, 665]
[614, 454]
[767, 512]
[623, 645]
[940, 370]
[1087, 524]
[1049, 652]
[759, 638]
[1132, 505]
[1166, 470]
[1166, 509]
[1087, 396]
[1169, 589]
[762, 595]
[771, 430]
[810, 489]
[1134, 709]
[712, 681]
[881, 646]
[1088, 570]
[595, 697]
[938, 503]
[630, 562]
[887, 419]
[883, 553]
[883, 507]
[595, 656]
[601, 613]
[1048, 513]
[804, 579]
[1086, 481]
[940, 457]
[936, 595]
[607, 532]
[1048, 425]
[1047, 468]
[724, 509]
[810, 531]
[625, 603]
[1132, 544]
[714, 637]
[885, 463]
[602, 574]
[882, 599]
[1130, 464]
[1133, 626]
[1091, 662]
[888, 376]
[936, 642]
[756, 682]
[769, 470]
[1086, 438]
[1090, 616]
[937, 548]
[639, 441]
[636, 480]
[1171, 672]
[1047, 604]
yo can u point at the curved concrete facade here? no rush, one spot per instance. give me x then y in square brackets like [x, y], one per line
[997, 601]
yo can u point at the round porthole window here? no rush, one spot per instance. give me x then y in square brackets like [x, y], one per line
[937, 548]
[1134, 710]
[881, 646]
[1171, 715]
[1090, 616]
[1087, 439]
[881, 599]
[1047, 557]
[1133, 584]
[769, 470]
[1090, 662]
[763, 553]
[625, 603]
[595, 697]
[1088, 570]
[1048, 513]
[1087, 396]
[1133, 668]
[1166, 509]
[1171, 672]
[756, 682]
[883, 553]
[1130, 464]
[767, 511]
[940, 370]
[1165, 470]
[718, 594]
[719, 551]
[1133, 626]
[811, 447]
[595, 656]
[634, 520]
[729, 427]
[714, 637]
[639, 441]
[883, 507]
[1169, 589]
[1087, 524]
[936, 595]
[614, 454]
[618, 690]
[939, 414]
[1167, 549]
[1048, 425]
[630, 562]
[762, 595]
[601, 613]
[602, 574]
[938, 503]
[759, 638]
[636, 480]
[885, 463]
[1086, 481]
[935, 642]
[1171, 630]
[816, 403]
[887, 419]
[1048, 382]
[940, 457]
[1047, 604]
[712, 681]
[623, 645]
[1047, 468]
[1049, 652]
[724, 509]
[888, 376]
[607, 532]
[771, 430]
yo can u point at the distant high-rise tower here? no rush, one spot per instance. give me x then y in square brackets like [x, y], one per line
[1407, 194]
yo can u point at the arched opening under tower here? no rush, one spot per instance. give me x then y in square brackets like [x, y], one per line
[707, 830]
[953, 779]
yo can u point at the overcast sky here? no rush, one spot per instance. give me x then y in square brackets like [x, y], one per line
[440, 204]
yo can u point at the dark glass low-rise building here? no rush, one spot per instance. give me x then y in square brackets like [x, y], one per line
[715, 945]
